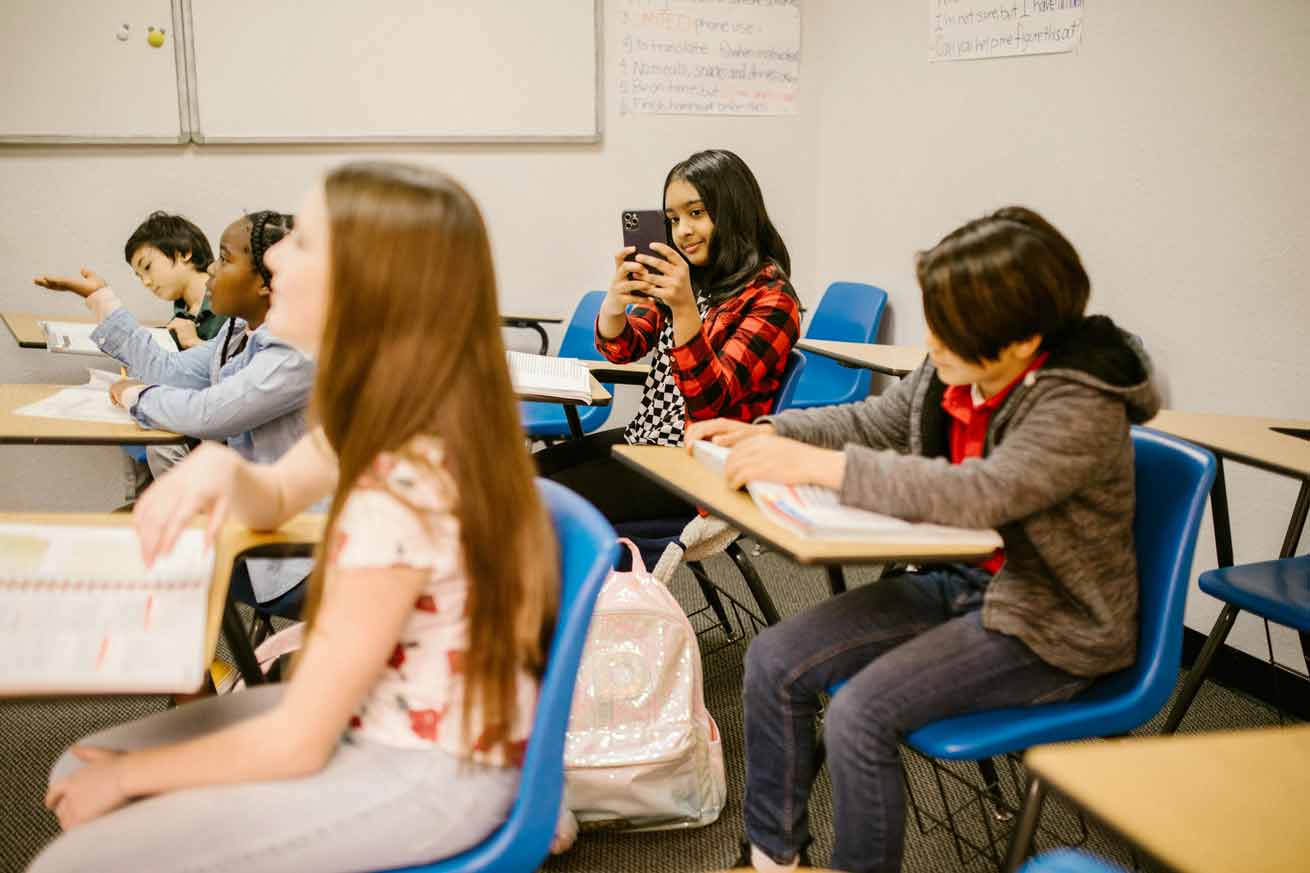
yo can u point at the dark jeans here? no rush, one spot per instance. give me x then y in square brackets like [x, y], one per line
[619, 492]
[914, 651]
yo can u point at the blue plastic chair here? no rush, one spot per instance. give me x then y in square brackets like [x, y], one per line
[1277, 591]
[547, 420]
[849, 312]
[1173, 481]
[1070, 861]
[587, 548]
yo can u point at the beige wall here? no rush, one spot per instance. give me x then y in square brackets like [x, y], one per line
[1167, 148]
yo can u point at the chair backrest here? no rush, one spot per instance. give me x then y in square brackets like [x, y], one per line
[791, 380]
[849, 312]
[587, 546]
[580, 336]
[1173, 482]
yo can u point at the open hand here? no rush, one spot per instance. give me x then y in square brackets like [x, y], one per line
[724, 431]
[83, 286]
[789, 462]
[92, 791]
[203, 483]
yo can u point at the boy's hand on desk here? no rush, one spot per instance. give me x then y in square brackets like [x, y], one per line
[185, 331]
[92, 791]
[777, 459]
[120, 388]
[83, 286]
[725, 431]
[203, 483]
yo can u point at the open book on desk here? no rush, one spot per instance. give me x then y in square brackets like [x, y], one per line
[555, 377]
[817, 512]
[79, 611]
[74, 338]
[89, 402]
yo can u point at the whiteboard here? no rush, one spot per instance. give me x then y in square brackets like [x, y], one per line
[429, 70]
[68, 78]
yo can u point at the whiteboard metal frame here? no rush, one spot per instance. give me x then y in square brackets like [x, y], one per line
[183, 120]
[198, 136]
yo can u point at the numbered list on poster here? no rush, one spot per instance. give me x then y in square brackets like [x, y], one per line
[709, 57]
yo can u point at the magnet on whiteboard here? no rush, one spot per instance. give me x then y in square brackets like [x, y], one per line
[123, 33]
[155, 36]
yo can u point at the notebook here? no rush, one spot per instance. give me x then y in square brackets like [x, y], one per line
[89, 402]
[556, 377]
[79, 612]
[74, 338]
[817, 512]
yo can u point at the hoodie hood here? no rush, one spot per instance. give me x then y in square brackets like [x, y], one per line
[1101, 355]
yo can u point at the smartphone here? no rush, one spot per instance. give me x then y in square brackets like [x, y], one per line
[641, 227]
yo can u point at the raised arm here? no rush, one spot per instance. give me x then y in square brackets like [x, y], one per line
[275, 382]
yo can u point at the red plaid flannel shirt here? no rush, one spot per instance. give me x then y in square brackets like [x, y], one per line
[733, 367]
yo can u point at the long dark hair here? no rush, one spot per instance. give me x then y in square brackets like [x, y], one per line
[744, 238]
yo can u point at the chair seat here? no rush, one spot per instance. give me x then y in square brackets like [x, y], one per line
[548, 419]
[1069, 861]
[1276, 590]
[827, 383]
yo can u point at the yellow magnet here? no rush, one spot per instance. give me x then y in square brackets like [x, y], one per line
[155, 36]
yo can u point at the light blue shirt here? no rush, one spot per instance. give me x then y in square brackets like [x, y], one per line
[255, 401]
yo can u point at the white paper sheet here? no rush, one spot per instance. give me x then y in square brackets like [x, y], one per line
[89, 402]
[74, 338]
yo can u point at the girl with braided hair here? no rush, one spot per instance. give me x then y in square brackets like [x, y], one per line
[245, 387]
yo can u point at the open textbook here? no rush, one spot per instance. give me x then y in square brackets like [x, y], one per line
[555, 377]
[74, 337]
[79, 611]
[815, 511]
[89, 402]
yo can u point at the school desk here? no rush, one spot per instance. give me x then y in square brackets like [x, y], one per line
[618, 374]
[679, 472]
[26, 327]
[532, 322]
[896, 361]
[28, 430]
[1216, 802]
[235, 541]
[1260, 443]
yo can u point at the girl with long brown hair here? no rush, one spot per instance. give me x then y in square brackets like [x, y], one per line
[398, 739]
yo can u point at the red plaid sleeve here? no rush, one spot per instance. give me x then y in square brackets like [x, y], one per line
[733, 367]
[636, 338]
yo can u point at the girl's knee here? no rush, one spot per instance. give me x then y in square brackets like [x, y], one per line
[854, 722]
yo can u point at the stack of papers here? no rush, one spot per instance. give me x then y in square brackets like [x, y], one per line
[817, 512]
[540, 375]
[74, 338]
[89, 402]
[79, 611]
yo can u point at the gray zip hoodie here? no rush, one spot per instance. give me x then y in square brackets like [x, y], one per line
[1056, 479]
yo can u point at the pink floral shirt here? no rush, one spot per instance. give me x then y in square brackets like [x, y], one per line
[400, 514]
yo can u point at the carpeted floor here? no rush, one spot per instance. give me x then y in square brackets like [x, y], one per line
[33, 733]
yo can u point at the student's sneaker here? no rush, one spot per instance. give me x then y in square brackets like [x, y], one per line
[744, 861]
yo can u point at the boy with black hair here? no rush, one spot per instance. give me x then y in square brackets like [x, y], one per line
[1019, 421]
[170, 255]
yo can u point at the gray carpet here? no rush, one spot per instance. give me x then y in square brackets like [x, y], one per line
[33, 733]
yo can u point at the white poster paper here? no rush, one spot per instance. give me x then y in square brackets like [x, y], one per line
[965, 30]
[710, 57]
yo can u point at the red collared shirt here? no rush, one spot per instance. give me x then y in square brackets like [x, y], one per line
[970, 414]
[733, 367]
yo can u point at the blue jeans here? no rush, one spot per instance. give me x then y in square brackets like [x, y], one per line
[914, 651]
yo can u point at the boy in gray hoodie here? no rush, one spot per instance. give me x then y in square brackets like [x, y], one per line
[1019, 421]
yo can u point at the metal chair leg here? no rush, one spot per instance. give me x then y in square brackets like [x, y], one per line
[754, 583]
[992, 782]
[711, 595]
[836, 580]
[235, 634]
[1196, 675]
[1021, 841]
